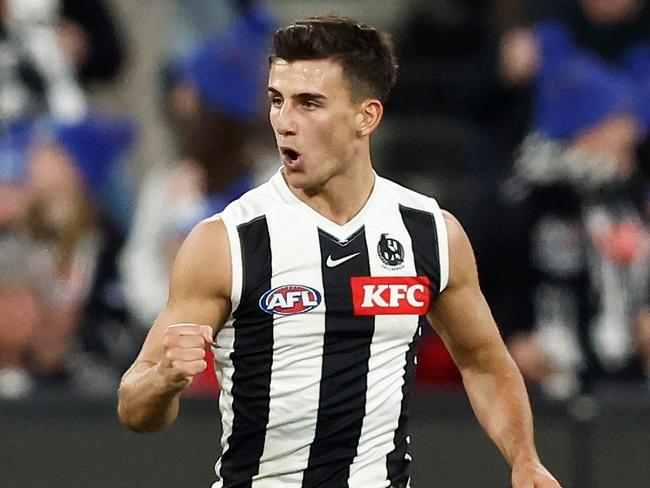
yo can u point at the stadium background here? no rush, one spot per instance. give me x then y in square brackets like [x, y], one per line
[449, 132]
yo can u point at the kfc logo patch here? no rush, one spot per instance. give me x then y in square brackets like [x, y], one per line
[290, 299]
[390, 295]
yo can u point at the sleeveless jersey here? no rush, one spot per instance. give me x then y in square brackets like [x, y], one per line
[317, 358]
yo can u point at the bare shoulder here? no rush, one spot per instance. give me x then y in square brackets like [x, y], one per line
[202, 266]
[460, 314]
[462, 263]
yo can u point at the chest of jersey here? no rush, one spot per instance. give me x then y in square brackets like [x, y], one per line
[367, 273]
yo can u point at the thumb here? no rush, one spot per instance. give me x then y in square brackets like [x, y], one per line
[206, 332]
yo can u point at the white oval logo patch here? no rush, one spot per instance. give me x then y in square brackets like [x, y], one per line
[290, 299]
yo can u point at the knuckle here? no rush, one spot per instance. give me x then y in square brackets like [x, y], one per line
[170, 340]
[192, 354]
[199, 366]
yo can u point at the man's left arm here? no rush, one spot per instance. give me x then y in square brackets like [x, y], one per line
[493, 382]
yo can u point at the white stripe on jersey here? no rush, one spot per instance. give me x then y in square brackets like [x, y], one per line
[297, 356]
[386, 364]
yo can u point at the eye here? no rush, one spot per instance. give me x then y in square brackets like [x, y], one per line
[275, 101]
[310, 104]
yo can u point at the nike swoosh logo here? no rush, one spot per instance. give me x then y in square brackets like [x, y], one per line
[332, 263]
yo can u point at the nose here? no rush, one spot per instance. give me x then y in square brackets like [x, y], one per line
[284, 121]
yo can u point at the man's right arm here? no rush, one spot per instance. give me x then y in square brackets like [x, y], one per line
[173, 351]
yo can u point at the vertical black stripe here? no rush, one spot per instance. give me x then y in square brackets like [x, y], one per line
[421, 226]
[344, 381]
[251, 357]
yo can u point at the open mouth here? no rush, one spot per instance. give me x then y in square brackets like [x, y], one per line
[290, 155]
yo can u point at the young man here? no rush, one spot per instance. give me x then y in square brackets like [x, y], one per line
[314, 284]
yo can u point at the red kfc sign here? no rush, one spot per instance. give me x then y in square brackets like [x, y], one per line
[390, 295]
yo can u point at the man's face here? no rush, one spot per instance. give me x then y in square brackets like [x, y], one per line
[314, 120]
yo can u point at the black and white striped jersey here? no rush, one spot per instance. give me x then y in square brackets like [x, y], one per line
[317, 358]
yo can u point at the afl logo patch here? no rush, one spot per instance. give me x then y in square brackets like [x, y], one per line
[391, 251]
[290, 299]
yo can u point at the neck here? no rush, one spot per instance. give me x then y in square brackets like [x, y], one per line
[341, 197]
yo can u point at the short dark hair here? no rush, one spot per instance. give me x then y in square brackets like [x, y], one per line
[366, 55]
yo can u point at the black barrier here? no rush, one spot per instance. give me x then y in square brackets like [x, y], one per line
[595, 442]
[583, 412]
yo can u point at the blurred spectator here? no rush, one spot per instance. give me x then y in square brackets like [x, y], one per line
[91, 38]
[215, 94]
[608, 29]
[37, 74]
[51, 246]
[21, 312]
[585, 249]
[45, 46]
[57, 236]
[97, 146]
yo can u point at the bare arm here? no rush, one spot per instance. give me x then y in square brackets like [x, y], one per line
[173, 352]
[493, 383]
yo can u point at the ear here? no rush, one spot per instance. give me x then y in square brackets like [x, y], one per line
[369, 116]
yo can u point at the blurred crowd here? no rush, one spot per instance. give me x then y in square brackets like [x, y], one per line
[529, 119]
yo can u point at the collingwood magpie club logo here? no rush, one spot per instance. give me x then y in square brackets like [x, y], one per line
[391, 251]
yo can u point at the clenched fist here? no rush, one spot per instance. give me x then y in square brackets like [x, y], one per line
[185, 346]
